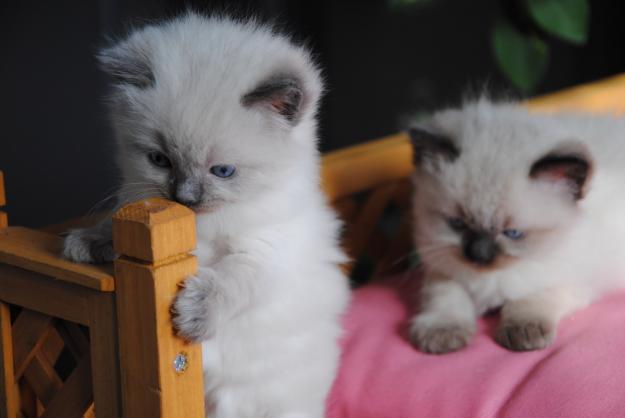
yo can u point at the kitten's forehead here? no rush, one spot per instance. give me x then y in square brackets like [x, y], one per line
[491, 178]
[479, 196]
[493, 161]
[203, 68]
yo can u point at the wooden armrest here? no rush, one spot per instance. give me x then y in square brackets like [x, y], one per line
[359, 167]
[40, 252]
[603, 96]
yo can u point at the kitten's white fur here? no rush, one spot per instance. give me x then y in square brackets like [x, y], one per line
[268, 296]
[574, 251]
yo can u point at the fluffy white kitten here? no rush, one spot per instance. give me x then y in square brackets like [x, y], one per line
[220, 116]
[517, 210]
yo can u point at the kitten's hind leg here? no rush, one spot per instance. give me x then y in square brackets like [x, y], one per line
[530, 323]
[90, 245]
[446, 321]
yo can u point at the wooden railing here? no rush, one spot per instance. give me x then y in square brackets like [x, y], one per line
[78, 340]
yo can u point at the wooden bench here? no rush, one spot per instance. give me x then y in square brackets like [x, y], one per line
[81, 340]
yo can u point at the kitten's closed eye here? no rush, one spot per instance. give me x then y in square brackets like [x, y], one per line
[514, 234]
[460, 226]
[159, 159]
[457, 224]
[223, 171]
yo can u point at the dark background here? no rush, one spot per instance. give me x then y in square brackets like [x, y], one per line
[382, 65]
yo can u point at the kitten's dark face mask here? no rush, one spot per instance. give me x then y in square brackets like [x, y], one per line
[507, 226]
[482, 247]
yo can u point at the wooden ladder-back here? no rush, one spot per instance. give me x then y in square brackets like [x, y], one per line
[79, 340]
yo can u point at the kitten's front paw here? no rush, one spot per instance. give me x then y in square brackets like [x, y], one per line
[86, 245]
[191, 310]
[440, 339]
[524, 335]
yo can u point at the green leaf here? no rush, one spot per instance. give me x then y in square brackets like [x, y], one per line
[522, 59]
[566, 19]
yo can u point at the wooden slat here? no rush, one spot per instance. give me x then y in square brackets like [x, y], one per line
[4, 220]
[28, 400]
[346, 207]
[603, 96]
[40, 252]
[145, 290]
[29, 332]
[3, 200]
[359, 233]
[105, 356]
[39, 293]
[8, 389]
[366, 166]
[75, 341]
[90, 412]
[43, 379]
[75, 397]
[52, 346]
[397, 253]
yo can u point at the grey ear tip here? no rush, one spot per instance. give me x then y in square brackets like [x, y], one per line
[285, 90]
[429, 146]
[578, 170]
[128, 64]
[417, 132]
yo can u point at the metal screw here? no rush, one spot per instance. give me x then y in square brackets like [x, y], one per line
[181, 362]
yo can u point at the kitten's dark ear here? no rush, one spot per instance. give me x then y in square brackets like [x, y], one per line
[128, 62]
[429, 146]
[282, 95]
[571, 168]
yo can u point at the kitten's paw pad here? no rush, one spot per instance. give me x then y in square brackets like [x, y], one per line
[441, 339]
[525, 335]
[87, 246]
[191, 313]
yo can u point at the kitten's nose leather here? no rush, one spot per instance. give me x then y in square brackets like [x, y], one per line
[188, 194]
[480, 248]
[187, 201]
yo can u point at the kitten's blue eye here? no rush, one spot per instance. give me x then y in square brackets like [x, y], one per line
[514, 234]
[457, 224]
[159, 159]
[223, 170]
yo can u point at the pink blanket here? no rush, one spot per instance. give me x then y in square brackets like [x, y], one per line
[382, 376]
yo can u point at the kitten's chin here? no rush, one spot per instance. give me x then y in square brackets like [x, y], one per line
[203, 210]
[502, 262]
[206, 209]
[456, 264]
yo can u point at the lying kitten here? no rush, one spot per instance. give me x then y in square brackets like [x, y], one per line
[220, 116]
[516, 210]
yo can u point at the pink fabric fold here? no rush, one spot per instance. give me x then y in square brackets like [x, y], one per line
[382, 376]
